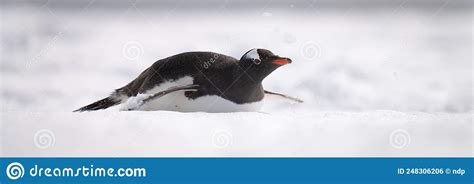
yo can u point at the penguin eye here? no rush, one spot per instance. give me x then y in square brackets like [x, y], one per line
[256, 61]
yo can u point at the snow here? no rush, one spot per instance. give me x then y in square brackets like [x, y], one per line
[167, 133]
[375, 82]
[133, 103]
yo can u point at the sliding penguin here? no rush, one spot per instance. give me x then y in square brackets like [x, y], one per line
[199, 81]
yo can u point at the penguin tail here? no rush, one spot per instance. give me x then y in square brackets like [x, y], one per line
[101, 104]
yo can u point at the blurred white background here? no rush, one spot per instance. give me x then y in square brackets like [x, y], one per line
[369, 68]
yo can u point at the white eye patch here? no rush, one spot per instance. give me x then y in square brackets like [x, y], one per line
[253, 55]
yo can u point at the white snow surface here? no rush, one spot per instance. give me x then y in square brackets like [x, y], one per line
[167, 133]
[375, 82]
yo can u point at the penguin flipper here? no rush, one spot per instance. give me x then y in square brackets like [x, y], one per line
[284, 96]
[160, 94]
[170, 90]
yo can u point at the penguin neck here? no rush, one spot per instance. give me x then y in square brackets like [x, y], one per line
[253, 73]
[247, 84]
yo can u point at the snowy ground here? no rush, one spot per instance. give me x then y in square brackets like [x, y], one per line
[374, 133]
[394, 81]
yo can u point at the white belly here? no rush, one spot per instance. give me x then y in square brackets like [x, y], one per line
[176, 101]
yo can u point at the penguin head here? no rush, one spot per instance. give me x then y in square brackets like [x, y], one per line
[264, 57]
[259, 63]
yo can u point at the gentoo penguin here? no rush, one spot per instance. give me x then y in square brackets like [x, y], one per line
[199, 81]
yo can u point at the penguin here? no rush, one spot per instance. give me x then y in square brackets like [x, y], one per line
[199, 81]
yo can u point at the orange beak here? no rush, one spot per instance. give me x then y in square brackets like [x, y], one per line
[281, 61]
